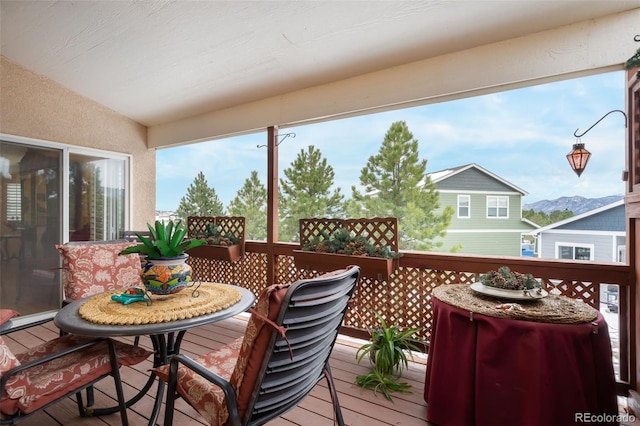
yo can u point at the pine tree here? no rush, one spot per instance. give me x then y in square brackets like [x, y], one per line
[306, 192]
[542, 219]
[201, 200]
[396, 184]
[251, 202]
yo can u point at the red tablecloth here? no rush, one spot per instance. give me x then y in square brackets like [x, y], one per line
[492, 371]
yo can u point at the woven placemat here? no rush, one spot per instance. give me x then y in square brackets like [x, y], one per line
[211, 298]
[552, 309]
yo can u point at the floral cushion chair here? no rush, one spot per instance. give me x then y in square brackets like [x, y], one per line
[92, 267]
[40, 376]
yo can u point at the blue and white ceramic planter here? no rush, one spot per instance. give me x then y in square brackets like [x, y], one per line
[166, 276]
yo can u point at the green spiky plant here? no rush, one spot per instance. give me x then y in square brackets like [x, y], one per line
[166, 241]
[387, 349]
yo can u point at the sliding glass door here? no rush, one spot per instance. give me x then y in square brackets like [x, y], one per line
[31, 185]
[51, 194]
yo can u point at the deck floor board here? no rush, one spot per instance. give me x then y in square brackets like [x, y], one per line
[358, 407]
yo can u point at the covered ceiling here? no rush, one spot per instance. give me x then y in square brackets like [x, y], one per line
[157, 62]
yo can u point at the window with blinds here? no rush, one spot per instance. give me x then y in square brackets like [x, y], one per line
[14, 202]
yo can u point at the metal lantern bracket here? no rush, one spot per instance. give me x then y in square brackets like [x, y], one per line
[602, 118]
[282, 138]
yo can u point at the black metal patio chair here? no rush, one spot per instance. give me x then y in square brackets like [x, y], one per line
[282, 356]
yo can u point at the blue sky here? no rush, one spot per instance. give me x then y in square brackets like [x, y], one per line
[520, 135]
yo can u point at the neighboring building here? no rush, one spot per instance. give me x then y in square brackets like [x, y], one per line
[597, 235]
[488, 211]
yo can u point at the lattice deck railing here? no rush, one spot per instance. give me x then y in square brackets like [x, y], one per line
[405, 297]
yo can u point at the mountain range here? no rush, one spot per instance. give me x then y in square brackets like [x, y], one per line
[576, 204]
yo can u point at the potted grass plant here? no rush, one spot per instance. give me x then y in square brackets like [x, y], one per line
[388, 349]
[165, 270]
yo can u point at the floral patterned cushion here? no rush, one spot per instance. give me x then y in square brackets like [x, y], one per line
[204, 396]
[36, 387]
[7, 359]
[88, 269]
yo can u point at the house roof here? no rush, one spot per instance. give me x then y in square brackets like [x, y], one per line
[161, 63]
[442, 175]
[581, 216]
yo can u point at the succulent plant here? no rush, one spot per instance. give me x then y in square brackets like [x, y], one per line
[166, 241]
[343, 241]
[506, 279]
[214, 235]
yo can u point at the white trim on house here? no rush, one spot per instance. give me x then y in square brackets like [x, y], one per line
[485, 231]
[454, 191]
[582, 232]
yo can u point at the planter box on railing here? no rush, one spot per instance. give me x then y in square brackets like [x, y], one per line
[214, 252]
[381, 231]
[233, 225]
[372, 267]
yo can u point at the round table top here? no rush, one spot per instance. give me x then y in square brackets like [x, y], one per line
[68, 319]
[552, 308]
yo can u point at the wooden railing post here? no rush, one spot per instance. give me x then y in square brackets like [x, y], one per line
[272, 202]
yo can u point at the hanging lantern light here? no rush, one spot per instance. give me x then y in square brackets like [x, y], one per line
[578, 158]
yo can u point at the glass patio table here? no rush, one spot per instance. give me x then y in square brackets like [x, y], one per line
[166, 333]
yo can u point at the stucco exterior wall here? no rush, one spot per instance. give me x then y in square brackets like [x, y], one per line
[35, 107]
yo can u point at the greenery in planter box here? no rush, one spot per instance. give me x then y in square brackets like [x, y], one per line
[387, 349]
[342, 241]
[213, 235]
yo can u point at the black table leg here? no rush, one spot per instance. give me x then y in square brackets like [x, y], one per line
[164, 347]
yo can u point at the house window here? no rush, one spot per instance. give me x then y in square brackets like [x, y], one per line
[464, 202]
[498, 207]
[574, 251]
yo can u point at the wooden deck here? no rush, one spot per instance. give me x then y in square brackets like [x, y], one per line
[359, 408]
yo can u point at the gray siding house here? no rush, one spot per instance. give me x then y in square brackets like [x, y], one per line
[597, 235]
[488, 211]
